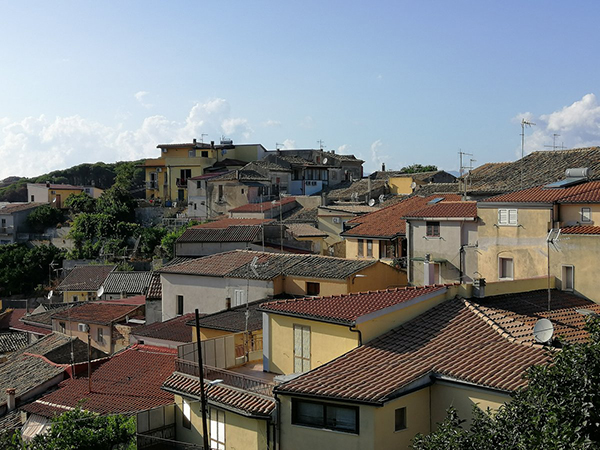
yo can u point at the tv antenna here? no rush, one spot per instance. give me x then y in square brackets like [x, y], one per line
[543, 331]
[554, 146]
[277, 145]
[524, 122]
[321, 143]
[202, 137]
[461, 154]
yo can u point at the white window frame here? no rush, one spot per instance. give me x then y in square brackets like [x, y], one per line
[508, 217]
[186, 412]
[565, 284]
[586, 215]
[100, 334]
[239, 297]
[500, 269]
[217, 429]
[302, 348]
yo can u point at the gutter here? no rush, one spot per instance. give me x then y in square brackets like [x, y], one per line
[356, 330]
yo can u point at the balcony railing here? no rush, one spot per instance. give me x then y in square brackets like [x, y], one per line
[181, 182]
[152, 184]
[7, 230]
[229, 377]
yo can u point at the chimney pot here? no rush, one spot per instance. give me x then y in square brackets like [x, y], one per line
[10, 399]
[194, 141]
[383, 167]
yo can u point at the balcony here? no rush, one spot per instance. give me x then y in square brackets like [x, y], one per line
[6, 231]
[153, 184]
[262, 386]
[181, 183]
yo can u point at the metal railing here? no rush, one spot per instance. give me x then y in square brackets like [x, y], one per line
[230, 378]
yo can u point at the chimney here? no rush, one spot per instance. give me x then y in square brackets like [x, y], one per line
[10, 399]
[123, 294]
[194, 141]
[429, 271]
[383, 167]
[228, 302]
[212, 144]
[479, 287]
[47, 184]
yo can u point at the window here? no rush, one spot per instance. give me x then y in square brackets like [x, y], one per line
[313, 288]
[33, 198]
[360, 248]
[62, 327]
[400, 419]
[369, 248]
[217, 429]
[242, 190]
[325, 415]
[75, 298]
[507, 217]
[433, 229]
[100, 334]
[186, 419]
[191, 153]
[180, 305]
[387, 249]
[586, 215]
[505, 268]
[301, 348]
[204, 153]
[180, 195]
[220, 197]
[239, 297]
[567, 278]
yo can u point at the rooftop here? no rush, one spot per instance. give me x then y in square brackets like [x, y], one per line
[346, 189]
[580, 230]
[85, 278]
[97, 312]
[229, 222]
[262, 207]
[351, 208]
[128, 282]
[587, 192]
[233, 319]
[170, 330]
[130, 381]
[57, 186]
[347, 309]
[13, 208]
[387, 222]
[300, 230]
[449, 340]
[456, 210]
[11, 342]
[243, 233]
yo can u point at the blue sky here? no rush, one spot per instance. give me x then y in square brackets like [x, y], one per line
[396, 82]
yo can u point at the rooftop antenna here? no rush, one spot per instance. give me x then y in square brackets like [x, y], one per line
[543, 331]
[321, 143]
[529, 124]
[554, 146]
[277, 145]
[202, 137]
[462, 168]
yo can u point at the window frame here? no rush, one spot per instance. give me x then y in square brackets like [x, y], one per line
[323, 423]
[180, 305]
[361, 250]
[565, 286]
[501, 268]
[303, 358]
[313, 289]
[218, 442]
[508, 222]
[186, 422]
[100, 334]
[403, 419]
[432, 229]
[369, 248]
[583, 212]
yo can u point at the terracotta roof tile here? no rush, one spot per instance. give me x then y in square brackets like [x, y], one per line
[262, 207]
[447, 210]
[171, 330]
[128, 282]
[130, 381]
[230, 397]
[581, 229]
[387, 222]
[231, 234]
[588, 192]
[85, 278]
[97, 312]
[347, 308]
[304, 230]
[234, 319]
[155, 288]
[449, 340]
[11, 342]
[228, 222]
[13, 208]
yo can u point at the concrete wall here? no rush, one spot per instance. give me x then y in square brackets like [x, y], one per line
[71, 330]
[69, 296]
[571, 214]
[39, 193]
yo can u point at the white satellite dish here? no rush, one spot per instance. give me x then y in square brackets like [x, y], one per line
[413, 185]
[381, 198]
[543, 331]
[325, 160]
[371, 202]
[100, 292]
[50, 294]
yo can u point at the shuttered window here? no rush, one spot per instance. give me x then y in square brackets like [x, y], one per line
[301, 348]
[507, 216]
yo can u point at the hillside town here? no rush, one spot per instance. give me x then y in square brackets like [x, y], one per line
[227, 296]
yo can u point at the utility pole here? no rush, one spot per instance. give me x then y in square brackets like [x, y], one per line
[202, 389]
[461, 154]
[89, 361]
[523, 123]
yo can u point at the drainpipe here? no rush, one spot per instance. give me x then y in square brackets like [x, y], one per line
[277, 438]
[356, 330]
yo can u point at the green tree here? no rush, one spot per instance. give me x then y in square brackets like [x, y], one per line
[167, 244]
[150, 239]
[118, 203]
[78, 203]
[23, 269]
[416, 168]
[559, 408]
[43, 217]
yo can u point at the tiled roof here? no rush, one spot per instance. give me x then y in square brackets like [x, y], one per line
[11, 342]
[56, 347]
[44, 319]
[235, 264]
[346, 189]
[240, 175]
[581, 193]
[13, 208]
[207, 176]
[170, 330]
[59, 186]
[242, 233]
[351, 208]
[387, 222]
[302, 215]
[538, 168]
[233, 319]
[304, 230]
[135, 300]
[437, 188]
[155, 288]
[97, 312]
[270, 165]
[421, 176]
[449, 340]
[129, 282]
[227, 222]
[516, 314]
[581, 229]
[130, 381]
[85, 278]
[456, 210]
[230, 397]
[345, 309]
[11, 320]
[262, 207]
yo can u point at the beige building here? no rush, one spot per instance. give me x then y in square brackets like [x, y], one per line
[83, 282]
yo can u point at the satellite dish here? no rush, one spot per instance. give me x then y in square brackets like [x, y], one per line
[325, 160]
[50, 294]
[413, 185]
[100, 292]
[371, 202]
[543, 331]
[381, 198]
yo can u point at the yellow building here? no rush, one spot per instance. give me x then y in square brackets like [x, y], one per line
[168, 175]
[55, 194]
[82, 282]
[522, 233]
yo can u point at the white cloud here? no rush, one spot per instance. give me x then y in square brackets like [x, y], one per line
[344, 149]
[289, 144]
[377, 156]
[36, 145]
[308, 122]
[577, 125]
[272, 123]
[140, 97]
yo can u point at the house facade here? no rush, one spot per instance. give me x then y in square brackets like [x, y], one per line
[13, 220]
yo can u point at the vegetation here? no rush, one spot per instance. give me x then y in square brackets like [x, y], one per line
[80, 203]
[44, 217]
[559, 409]
[78, 429]
[167, 244]
[416, 168]
[22, 269]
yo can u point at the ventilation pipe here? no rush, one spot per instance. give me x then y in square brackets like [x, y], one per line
[10, 399]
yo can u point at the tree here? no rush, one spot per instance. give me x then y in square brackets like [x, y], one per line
[82, 202]
[416, 168]
[82, 430]
[559, 408]
[118, 203]
[43, 217]
[167, 244]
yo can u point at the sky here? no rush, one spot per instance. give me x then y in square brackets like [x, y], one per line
[389, 81]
